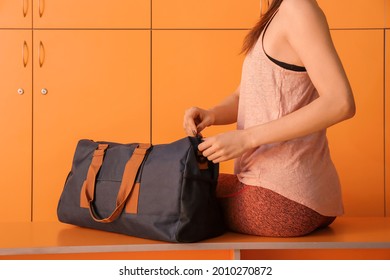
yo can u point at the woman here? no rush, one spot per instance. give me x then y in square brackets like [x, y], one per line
[293, 87]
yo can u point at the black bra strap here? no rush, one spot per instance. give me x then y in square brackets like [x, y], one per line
[280, 63]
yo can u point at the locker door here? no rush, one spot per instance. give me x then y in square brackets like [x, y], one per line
[92, 84]
[15, 124]
[357, 145]
[354, 13]
[209, 14]
[387, 13]
[192, 68]
[16, 14]
[92, 14]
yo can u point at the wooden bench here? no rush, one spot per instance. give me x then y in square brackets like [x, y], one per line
[43, 240]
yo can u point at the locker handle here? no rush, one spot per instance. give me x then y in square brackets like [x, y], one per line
[41, 7]
[41, 54]
[25, 54]
[25, 7]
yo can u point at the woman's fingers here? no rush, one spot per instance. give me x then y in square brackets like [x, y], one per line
[224, 146]
[209, 149]
[195, 120]
[189, 122]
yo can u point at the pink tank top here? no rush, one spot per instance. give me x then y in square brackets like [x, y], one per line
[300, 169]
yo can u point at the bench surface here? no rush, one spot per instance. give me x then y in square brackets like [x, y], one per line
[57, 238]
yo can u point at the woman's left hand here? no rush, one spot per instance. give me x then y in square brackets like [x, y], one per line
[225, 146]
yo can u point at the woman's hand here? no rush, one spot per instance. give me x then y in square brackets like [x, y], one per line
[197, 119]
[226, 146]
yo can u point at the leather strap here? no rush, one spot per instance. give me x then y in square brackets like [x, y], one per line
[132, 203]
[125, 189]
[88, 192]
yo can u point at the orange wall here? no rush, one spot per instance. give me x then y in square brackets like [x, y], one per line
[157, 58]
[357, 145]
[353, 14]
[153, 62]
[199, 41]
[15, 109]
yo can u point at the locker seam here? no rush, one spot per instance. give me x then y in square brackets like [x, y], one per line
[151, 74]
[32, 115]
[385, 54]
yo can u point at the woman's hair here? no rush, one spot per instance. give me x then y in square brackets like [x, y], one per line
[253, 35]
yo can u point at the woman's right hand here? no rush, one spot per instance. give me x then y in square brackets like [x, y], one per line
[196, 119]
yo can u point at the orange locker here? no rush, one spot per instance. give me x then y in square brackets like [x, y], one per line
[16, 14]
[205, 14]
[192, 68]
[91, 84]
[387, 121]
[354, 14]
[357, 145]
[387, 13]
[91, 14]
[15, 124]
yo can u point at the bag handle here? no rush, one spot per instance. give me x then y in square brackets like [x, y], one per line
[128, 181]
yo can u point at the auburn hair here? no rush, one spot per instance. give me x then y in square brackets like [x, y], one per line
[254, 34]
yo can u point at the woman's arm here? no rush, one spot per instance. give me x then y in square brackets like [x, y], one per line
[307, 31]
[197, 119]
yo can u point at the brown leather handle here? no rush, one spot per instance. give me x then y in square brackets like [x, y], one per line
[126, 187]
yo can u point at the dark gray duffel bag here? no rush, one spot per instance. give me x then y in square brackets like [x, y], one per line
[163, 192]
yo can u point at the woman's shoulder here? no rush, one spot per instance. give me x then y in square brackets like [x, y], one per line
[300, 4]
[301, 11]
[303, 17]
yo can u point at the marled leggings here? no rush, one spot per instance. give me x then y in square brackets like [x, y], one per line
[259, 211]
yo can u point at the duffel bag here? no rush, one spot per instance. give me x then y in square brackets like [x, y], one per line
[163, 192]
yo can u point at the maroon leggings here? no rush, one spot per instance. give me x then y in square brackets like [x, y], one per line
[259, 211]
